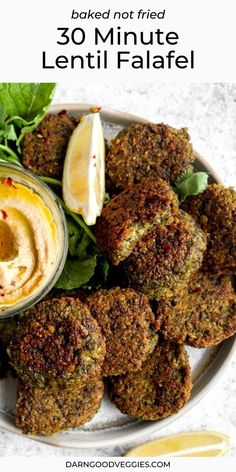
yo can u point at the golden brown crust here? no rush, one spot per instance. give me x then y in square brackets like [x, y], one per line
[131, 214]
[50, 410]
[128, 326]
[215, 212]
[147, 150]
[202, 315]
[162, 262]
[57, 341]
[160, 389]
[43, 150]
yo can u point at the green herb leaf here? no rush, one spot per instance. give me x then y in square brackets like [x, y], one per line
[3, 115]
[107, 198]
[101, 273]
[25, 104]
[76, 273]
[8, 132]
[50, 180]
[8, 155]
[190, 183]
[26, 100]
[74, 233]
[79, 241]
[186, 174]
[82, 258]
[105, 267]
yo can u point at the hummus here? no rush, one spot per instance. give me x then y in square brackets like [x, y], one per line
[28, 243]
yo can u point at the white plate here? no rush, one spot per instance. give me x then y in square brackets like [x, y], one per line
[109, 427]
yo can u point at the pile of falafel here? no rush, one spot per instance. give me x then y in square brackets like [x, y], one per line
[174, 266]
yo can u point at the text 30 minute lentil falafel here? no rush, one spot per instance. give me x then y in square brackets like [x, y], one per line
[159, 389]
[147, 150]
[162, 262]
[50, 410]
[131, 214]
[201, 315]
[128, 326]
[215, 212]
[57, 342]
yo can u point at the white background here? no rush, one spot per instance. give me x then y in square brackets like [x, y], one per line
[59, 465]
[28, 28]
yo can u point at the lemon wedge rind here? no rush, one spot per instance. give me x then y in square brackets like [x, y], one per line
[192, 444]
[83, 180]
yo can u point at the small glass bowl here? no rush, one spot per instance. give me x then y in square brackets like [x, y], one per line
[26, 178]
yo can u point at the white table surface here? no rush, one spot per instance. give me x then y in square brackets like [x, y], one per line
[209, 112]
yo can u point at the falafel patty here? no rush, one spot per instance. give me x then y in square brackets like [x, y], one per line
[215, 212]
[57, 341]
[131, 214]
[147, 150]
[160, 389]
[202, 315]
[50, 410]
[162, 262]
[44, 149]
[128, 326]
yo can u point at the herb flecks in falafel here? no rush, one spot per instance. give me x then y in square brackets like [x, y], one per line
[163, 261]
[131, 215]
[202, 315]
[147, 150]
[159, 389]
[43, 150]
[215, 212]
[49, 410]
[128, 326]
[57, 342]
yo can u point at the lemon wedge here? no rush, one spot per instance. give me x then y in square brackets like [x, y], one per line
[83, 182]
[194, 444]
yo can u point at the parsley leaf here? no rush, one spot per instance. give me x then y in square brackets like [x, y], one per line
[190, 183]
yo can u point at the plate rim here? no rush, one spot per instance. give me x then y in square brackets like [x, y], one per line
[217, 366]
